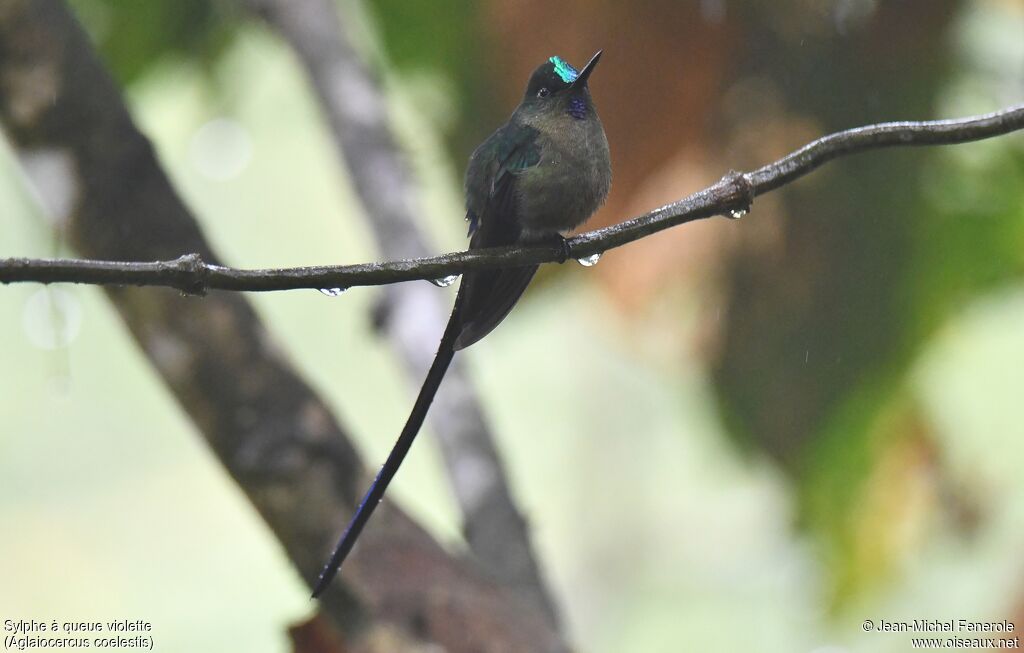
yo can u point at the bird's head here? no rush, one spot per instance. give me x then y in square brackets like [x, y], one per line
[556, 87]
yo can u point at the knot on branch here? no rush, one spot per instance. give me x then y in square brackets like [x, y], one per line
[738, 194]
[190, 274]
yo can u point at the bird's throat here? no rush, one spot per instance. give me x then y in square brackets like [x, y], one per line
[577, 108]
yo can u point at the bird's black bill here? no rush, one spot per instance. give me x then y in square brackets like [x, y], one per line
[581, 80]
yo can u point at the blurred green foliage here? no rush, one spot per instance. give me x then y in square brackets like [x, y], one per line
[134, 36]
[430, 36]
[973, 242]
[442, 39]
[881, 251]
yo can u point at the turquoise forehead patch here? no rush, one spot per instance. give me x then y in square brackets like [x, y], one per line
[564, 70]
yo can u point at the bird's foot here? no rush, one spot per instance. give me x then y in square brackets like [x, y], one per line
[562, 243]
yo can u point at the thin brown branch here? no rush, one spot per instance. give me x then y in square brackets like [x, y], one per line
[734, 193]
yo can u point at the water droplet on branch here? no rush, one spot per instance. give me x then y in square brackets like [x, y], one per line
[333, 292]
[736, 214]
[589, 261]
[444, 282]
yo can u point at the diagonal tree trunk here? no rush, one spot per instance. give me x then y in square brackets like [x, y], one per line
[272, 433]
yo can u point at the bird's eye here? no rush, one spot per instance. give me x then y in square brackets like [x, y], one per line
[543, 92]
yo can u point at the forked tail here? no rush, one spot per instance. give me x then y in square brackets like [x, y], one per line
[442, 360]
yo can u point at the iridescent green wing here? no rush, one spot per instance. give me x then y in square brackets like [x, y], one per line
[487, 296]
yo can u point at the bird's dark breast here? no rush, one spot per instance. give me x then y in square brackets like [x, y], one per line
[570, 182]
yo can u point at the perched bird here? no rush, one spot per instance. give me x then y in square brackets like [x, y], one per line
[542, 173]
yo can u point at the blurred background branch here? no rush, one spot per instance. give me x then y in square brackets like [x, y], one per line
[411, 316]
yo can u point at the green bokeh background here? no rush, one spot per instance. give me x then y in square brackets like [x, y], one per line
[112, 506]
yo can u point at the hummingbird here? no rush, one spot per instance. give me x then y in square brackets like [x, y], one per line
[542, 173]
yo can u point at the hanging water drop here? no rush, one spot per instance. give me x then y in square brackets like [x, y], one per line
[333, 292]
[444, 282]
[736, 214]
[589, 261]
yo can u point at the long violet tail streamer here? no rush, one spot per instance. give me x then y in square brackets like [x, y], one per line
[442, 360]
